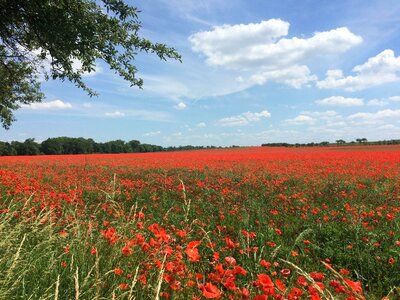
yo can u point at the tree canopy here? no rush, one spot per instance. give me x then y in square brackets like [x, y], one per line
[71, 145]
[61, 35]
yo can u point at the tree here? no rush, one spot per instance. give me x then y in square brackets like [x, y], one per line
[135, 145]
[29, 147]
[363, 140]
[52, 146]
[63, 35]
[340, 142]
[6, 149]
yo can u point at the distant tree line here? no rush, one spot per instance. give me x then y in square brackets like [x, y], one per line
[340, 142]
[68, 145]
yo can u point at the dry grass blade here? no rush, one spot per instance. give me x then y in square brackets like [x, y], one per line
[97, 282]
[310, 279]
[160, 279]
[130, 297]
[339, 276]
[57, 286]
[77, 283]
[17, 254]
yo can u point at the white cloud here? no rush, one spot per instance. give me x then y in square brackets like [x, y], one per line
[329, 117]
[243, 119]
[377, 102]
[379, 115]
[321, 114]
[261, 49]
[380, 69]
[245, 45]
[201, 125]
[295, 76]
[387, 126]
[115, 114]
[180, 106]
[340, 101]
[45, 64]
[152, 133]
[139, 114]
[395, 98]
[52, 105]
[301, 119]
[77, 66]
[221, 45]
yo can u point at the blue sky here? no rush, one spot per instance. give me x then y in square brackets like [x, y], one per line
[252, 72]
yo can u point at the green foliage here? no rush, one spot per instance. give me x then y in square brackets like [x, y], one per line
[18, 85]
[29, 147]
[63, 34]
[68, 145]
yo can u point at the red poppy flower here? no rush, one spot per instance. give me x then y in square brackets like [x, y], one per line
[230, 260]
[210, 291]
[280, 285]
[118, 271]
[344, 272]
[265, 280]
[265, 264]
[127, 250]
[354, 285]
[317, 276]
[239, 270]
[192, 252]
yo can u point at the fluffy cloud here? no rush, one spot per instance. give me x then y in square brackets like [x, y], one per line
[115, 114]
[395, 98]
[249, 45]
[228, 45]
[180, 106]
[340, 101]
[311, 117]
[152, 133]
[201, 125]
[295, 76]
[380, 69]
[379, 115]
[77, 66]
[301, 119]
[45, 64]
[261, 48]
[243, 119]
[377, 102]
[52, 105]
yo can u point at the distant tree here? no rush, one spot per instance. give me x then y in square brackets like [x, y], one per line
[6, 149]
[52, 146]
[362, 140]
[117, 146]
[340, 142]
[28, 147]
[18, 147]
[65, 34]
[31, 147]
[135, 145]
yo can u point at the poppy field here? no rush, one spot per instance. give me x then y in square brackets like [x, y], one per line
[242, 223]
